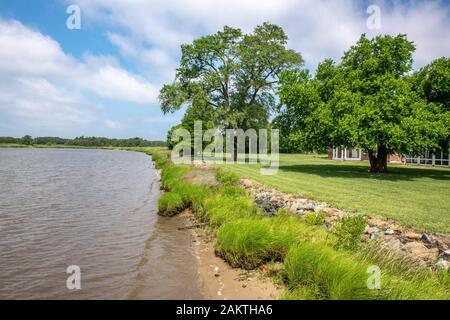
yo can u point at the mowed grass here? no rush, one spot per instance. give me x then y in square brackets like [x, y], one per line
[414, 196]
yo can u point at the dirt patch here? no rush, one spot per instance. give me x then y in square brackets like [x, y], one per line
[221, 282]
[202, 175]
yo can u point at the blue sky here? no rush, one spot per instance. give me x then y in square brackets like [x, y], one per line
[104, 78]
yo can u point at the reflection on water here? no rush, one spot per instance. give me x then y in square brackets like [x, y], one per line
[95, 209]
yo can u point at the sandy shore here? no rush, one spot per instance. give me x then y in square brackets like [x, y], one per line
[220, 281]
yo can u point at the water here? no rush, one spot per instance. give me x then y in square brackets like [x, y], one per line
[95, 209]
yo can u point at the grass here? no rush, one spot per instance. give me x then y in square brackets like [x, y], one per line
[317, 271]
[314, 265]
[414, 196]
[248, 243]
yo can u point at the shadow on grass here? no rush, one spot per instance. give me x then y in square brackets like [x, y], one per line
[362, 172]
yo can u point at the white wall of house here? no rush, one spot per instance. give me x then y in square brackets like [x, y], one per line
[343, 154]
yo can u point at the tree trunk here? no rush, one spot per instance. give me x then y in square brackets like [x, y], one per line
[378, 160]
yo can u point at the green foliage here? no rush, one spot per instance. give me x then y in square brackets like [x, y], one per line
[334, 275]
[348, 231]
[282, 213]
[366, 101]
[171, 203]
[315, 218]
[313, 269]
[172, 174]
[227, 177]
[228, 78]
[27, 140]
[432, 82]
[402, 195]
[83, 142]
[250, 242]
[317, 271]
[224, 208]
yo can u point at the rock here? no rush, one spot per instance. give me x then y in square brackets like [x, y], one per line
[412, 235]
[376, 235]
[216, 271]
[389, 232]
[371, 230]
[308, 207]
[419, 251]
[445, 255]
[426, 238]
[442, 265]
[292, 209]
[393, 244]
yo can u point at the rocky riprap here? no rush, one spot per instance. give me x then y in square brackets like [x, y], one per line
[429, 249]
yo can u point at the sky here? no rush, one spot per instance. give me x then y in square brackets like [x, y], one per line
[103, 79]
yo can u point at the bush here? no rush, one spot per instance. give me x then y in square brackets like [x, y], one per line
[348, 231]
[315, 218]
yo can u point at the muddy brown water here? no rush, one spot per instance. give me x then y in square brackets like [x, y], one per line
[95, 209]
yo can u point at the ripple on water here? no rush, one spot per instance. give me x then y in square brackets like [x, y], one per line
[95, 209]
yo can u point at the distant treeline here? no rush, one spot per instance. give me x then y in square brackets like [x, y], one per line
[83, 141]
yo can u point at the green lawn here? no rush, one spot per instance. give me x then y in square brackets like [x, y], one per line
[415, 196]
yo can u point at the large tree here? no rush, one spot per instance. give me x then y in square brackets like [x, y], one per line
[365, 101]
[228, 79]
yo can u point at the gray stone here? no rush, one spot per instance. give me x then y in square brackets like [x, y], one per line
[445, 255]
[426, 238]
[442, 265]
[376, 235]
[308, 207]
[393, 244]
[389, 232]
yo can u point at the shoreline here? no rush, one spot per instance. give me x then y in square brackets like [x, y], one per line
[219, 280]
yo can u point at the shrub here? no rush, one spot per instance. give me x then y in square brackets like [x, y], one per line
[348, 231]
[315, 218]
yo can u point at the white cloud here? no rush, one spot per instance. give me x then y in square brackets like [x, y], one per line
[319, 29]
[28, 53]
[42, 87]
[113, 124]
[40, 104]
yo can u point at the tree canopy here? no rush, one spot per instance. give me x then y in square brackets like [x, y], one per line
[227, 79]
[83, 141]
[366, 101]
